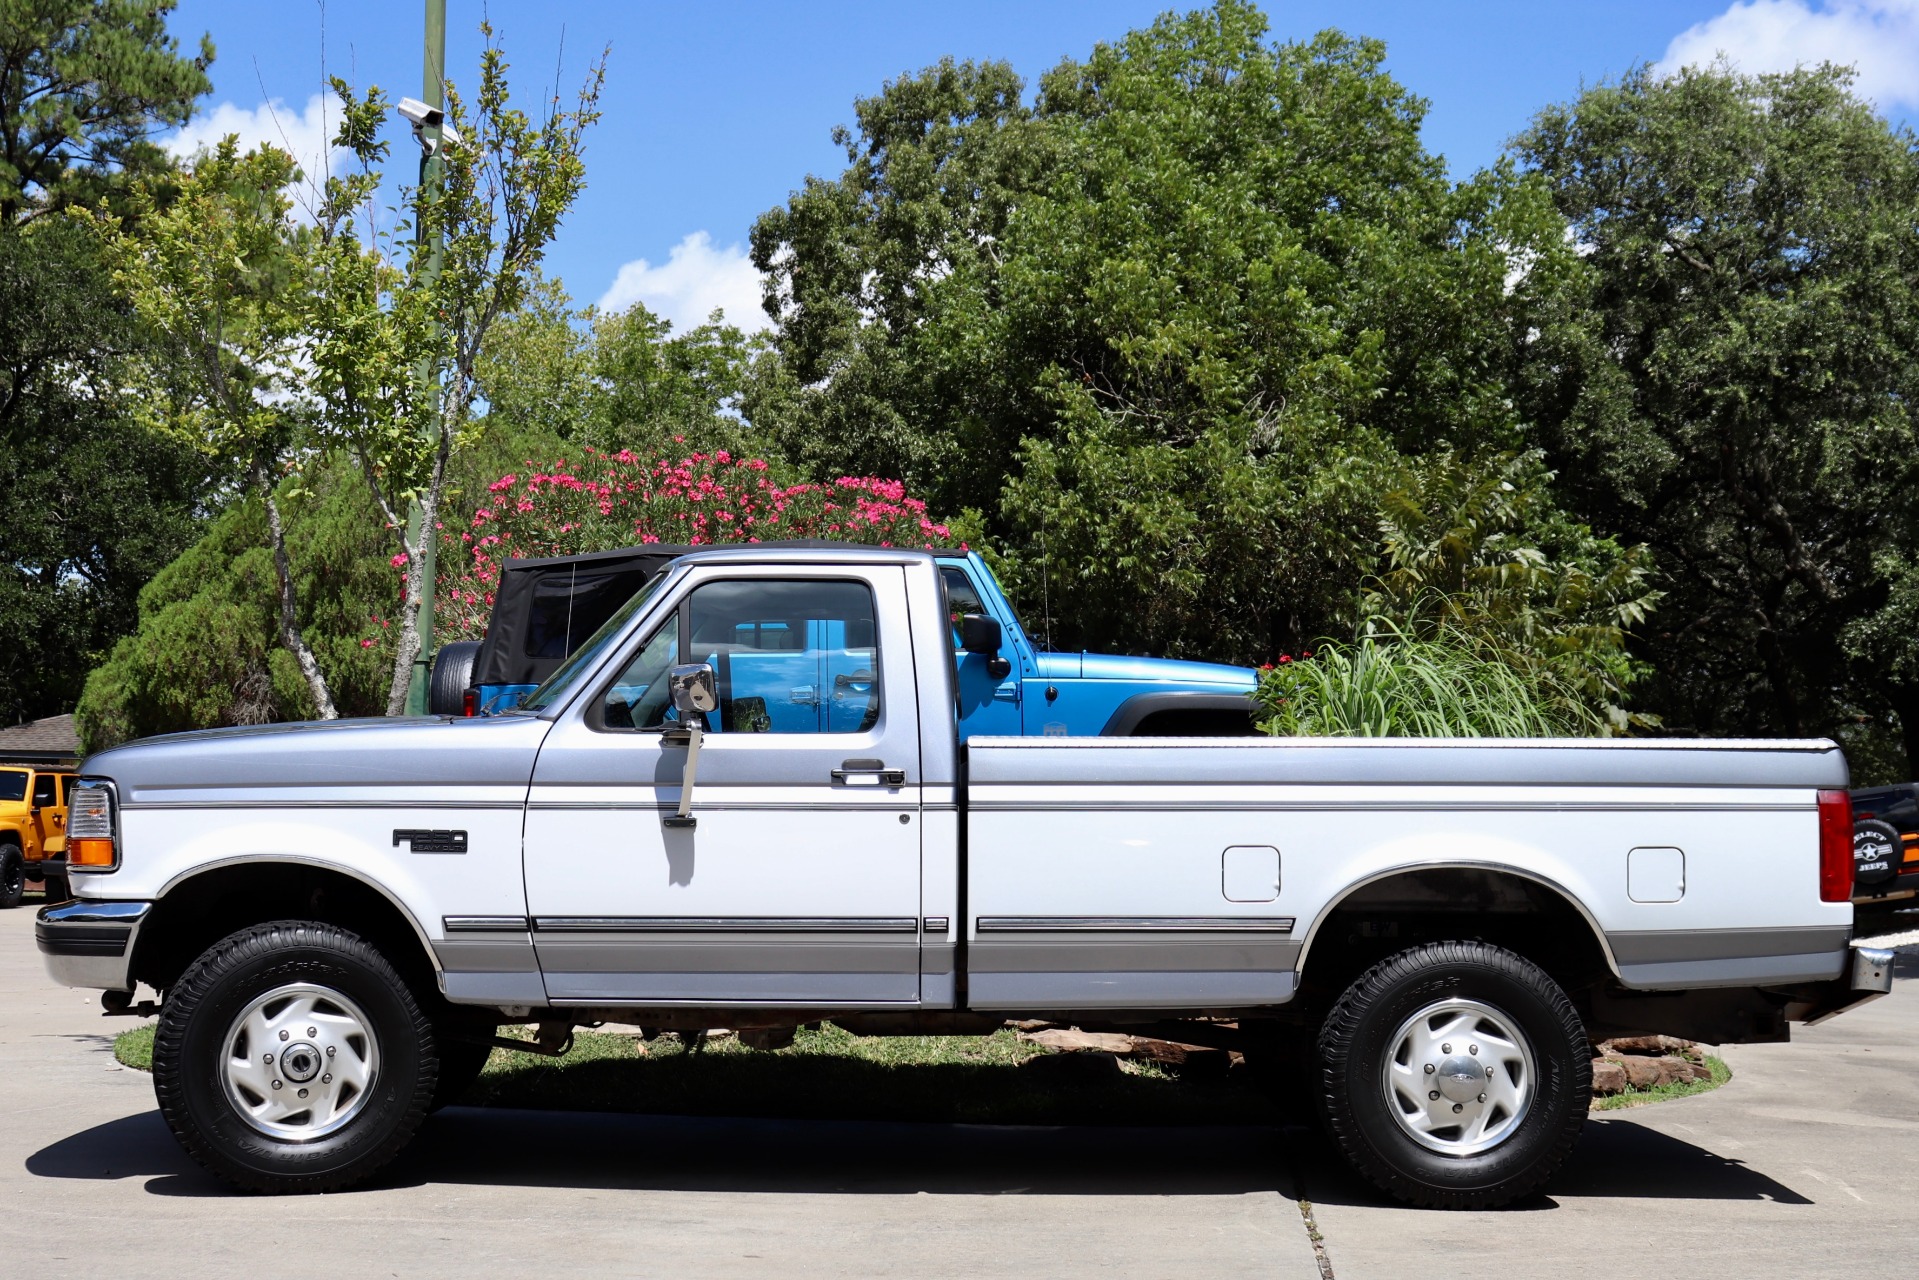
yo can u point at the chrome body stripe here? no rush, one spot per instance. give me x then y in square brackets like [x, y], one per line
[724, 924]
[485, 924]
[1135, 924]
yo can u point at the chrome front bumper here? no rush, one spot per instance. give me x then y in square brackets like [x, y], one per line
[90, 944]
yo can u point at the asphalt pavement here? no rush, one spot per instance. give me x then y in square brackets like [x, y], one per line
[1806, 1164]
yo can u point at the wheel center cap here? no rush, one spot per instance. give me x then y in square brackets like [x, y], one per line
[300, 1062]
[1461, 1078]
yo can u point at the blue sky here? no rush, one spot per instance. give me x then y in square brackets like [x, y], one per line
[715, 111]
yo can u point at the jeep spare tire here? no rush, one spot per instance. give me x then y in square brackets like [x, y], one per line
[452, 673]
[1876, 851]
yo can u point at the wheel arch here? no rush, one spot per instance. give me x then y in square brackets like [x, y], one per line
[198, 907]
[1407, 889]
[1165, 711]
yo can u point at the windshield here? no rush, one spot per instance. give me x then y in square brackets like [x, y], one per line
[586, 655]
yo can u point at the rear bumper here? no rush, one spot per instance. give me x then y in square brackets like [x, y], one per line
[90, 944]
[1868, 977]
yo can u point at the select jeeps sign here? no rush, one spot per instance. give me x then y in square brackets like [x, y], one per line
[1875, 851]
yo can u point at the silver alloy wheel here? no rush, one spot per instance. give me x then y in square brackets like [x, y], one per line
[1458, 1077]
[299, 1062]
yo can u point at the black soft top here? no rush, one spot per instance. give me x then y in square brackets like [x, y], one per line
[545, 608]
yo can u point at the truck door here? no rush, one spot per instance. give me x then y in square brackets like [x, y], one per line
[800, 880]
[49, 817]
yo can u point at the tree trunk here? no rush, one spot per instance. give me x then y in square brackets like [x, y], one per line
[1905, 702]
[416, 584]
[290, 634]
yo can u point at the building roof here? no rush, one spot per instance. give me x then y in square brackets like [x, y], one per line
[50, 741]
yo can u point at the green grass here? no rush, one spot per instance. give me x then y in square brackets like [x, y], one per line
[1644, 1097]
[829, 1073]
[135, 1048]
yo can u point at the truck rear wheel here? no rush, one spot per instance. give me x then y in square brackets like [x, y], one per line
[1455, 1075]
[292, 1057]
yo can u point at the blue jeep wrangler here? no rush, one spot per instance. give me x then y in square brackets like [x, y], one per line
[1009, 686]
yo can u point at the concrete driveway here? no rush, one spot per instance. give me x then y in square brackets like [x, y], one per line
[1806, 1164]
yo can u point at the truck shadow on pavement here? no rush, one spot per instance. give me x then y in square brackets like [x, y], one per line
[594, 1151]
[1615, 1159]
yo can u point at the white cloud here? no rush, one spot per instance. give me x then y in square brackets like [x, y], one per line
[304, 135]
[696, 279]
[1878, 37]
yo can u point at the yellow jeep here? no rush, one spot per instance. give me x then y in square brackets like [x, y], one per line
[33, 831]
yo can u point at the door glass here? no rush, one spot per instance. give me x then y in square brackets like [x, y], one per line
[66, 790]
[791, 656]
[44, 793]
[639, 699]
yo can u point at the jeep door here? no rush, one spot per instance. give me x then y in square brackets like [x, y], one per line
[800, 880]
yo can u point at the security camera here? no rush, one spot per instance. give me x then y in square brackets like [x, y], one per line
[423, 117]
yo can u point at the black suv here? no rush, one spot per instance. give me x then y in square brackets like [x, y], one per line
[1885, 843]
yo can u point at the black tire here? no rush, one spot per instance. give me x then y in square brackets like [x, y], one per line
[1876, 851]
[460, 1065]
[452, 673]
[1387, 1009]
[205, 1009]
[13, 875]
[57, 886]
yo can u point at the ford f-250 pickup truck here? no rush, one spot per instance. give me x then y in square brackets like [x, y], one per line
[341, 915]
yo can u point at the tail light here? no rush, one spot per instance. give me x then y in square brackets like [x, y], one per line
[91, 843]
[1835, 846]
[470, 703]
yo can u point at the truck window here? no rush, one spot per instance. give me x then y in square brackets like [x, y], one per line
[46, 790]
[66, 790]
[13, 784]
[791, 656]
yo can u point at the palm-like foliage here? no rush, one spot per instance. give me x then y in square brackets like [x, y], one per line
[1445, 684]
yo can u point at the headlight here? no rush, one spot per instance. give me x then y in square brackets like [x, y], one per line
[91, 842]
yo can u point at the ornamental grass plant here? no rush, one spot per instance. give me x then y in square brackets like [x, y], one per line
[1391, 683]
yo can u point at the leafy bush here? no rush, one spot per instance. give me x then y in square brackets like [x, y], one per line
[1394, 684]
[624, 499]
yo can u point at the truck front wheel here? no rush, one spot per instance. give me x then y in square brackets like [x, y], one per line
[292, 1057]
[1455, 1075]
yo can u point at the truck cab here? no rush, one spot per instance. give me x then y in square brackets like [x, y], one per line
[1008, 685]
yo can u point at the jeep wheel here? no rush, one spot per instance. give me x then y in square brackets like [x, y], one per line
[1455, 1075]
[292, 1057]
[13, 876]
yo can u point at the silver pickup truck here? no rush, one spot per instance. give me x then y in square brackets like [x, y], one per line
[341, 915]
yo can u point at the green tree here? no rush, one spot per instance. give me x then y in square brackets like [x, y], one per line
[229, 283]
[1161, 329]
[427, 293]
[1482, 553]
[207, 650]
[91, 503]
[84, 87]
[1729, 376]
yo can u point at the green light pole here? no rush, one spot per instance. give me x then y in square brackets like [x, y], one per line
[433, 90]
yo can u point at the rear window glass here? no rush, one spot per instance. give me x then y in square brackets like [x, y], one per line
[13, 784]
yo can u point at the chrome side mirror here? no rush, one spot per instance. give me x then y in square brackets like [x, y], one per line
[695, 692]
[694, 688]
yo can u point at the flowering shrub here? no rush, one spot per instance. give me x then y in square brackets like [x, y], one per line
[623, 499]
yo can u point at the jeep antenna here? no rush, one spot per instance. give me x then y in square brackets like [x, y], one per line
[1045, 591]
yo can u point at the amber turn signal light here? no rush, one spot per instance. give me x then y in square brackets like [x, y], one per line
[90, 853]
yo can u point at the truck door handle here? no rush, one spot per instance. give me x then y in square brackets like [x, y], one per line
[868, 773]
